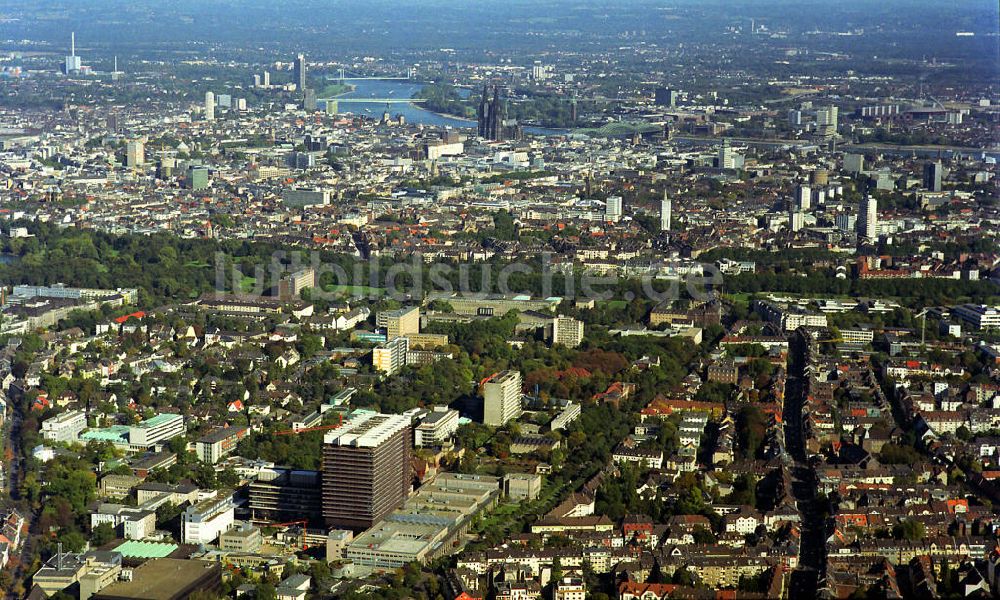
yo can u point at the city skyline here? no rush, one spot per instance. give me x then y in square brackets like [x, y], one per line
[556, 300]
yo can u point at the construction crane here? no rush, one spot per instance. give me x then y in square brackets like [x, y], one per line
[923, 326]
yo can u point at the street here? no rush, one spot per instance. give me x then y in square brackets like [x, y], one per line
[11, 497]
[806, 579]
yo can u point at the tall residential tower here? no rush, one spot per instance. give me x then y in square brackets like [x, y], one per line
[666, 212]
[502, 398]
[868, 218]
[209, 106]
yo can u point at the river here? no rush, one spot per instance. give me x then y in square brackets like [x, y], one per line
[402, 89]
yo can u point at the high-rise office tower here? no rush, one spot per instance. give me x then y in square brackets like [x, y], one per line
[309, 100]
[868, 218]
[165, 167]
[854, 163]
[666, 212]
[197, 178]
[826, 121]
[73, 62]
[209, 106]
[116, 75]
[933, 172]
[847, 222]
[728, 158]
[501, 398]
[135, 154]
[266, 79]
[366, 470]
[803, 197]
[300, 72]
[613, 209]
[827, 118]
[796, 220]
[665, 97]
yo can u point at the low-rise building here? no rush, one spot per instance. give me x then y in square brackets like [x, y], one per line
[216, 444]
[436, 428]
[92, 571]
[569, 588]
[567, 416]
[64, 427]
[132, 523]
[978, 316]
[243, 538]
[427, 524]
[522, 486]
[648, 458]
[166, 579]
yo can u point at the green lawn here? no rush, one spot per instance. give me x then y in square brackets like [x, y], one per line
[741, 298]
[615, 304]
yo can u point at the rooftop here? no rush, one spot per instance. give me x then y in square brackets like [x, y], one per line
[157, 420]
[139, 549]
[367, 430]
[115, 433]
[163, 579]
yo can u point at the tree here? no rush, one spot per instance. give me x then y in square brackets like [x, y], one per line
[909, 529]
[703, 535]
[750, 429]
[73, 541]
[682, 577]
[102, 534]
[441, 306]
[266, 591]
[166, 512]
[503, 225]
[319, 570]
[72, 483]
[898, 454]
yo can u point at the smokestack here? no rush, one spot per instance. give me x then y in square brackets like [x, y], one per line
[72, 43]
